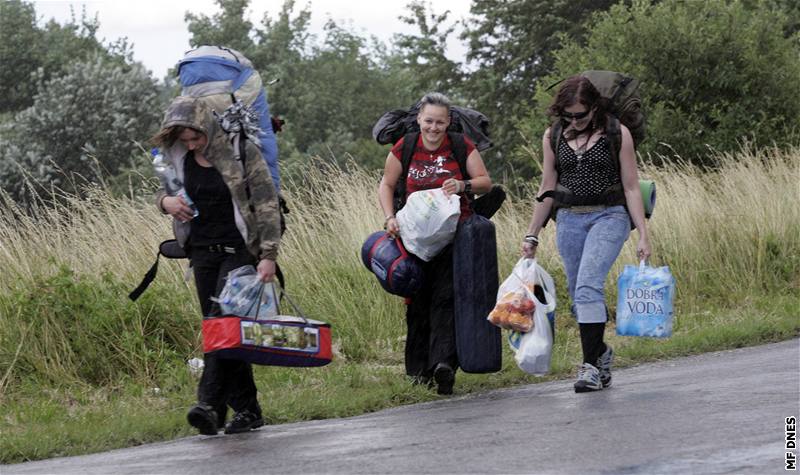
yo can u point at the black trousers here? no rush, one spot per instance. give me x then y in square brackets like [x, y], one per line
[430, 316]
[224, 381]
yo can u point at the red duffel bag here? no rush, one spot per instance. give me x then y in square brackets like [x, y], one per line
[279, 341]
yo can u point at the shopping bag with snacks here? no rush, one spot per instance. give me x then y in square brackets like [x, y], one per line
[516, 302]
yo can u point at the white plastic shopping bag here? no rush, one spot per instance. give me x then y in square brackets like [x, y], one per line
[515, 300]
[533, 350]
[428, 222]
[644, 301]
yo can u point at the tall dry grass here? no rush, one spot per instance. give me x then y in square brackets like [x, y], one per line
[728, 234]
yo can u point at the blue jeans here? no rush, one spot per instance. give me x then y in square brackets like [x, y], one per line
[589, 243]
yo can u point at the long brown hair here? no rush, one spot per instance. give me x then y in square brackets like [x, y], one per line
[579, 90]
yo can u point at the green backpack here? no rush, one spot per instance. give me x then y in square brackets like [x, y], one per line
[625, 106]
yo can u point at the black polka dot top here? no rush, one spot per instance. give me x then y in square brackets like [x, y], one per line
[588, 174]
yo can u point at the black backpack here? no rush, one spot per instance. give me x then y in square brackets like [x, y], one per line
[395, 124]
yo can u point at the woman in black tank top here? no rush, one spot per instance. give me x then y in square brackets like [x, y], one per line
[589, 235]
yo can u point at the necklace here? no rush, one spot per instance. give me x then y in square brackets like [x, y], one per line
[581, 149]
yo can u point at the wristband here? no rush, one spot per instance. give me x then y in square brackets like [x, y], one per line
[467, 186]
[532, 240]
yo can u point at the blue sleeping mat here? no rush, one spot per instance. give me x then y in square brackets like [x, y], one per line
[475, 275]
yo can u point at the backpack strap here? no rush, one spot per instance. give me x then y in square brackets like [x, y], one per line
[614, 137]
[240, 145]
[563, 197]
[409, 146]
[555, 138]
[459, 147]
[169, 249]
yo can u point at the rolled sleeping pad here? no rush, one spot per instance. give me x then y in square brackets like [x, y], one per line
[648, 188]
[479, 344]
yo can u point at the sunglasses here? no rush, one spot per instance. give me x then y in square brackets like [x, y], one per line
[567, 117]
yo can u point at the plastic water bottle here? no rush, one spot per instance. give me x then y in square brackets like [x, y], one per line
[169, 178]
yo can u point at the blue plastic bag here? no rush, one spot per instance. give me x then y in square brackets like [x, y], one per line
[644, 301]
[245, 295]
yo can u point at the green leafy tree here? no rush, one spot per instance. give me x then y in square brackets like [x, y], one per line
[20, 54]
[330, 93]
[229, 27]
[31, 55]
[510, 50]
[282, 46]
[713, 73]
[82, 126]
[421, 57]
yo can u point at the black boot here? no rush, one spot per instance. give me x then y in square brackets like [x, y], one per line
[445, 378]
[204, 418]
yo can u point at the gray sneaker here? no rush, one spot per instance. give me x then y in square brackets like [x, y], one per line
[588, 379]
[604, 365]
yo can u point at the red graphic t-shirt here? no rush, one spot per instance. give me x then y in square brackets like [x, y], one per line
[430, 169]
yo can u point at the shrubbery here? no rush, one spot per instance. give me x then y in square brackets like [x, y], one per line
[82, 126]
[713, 74]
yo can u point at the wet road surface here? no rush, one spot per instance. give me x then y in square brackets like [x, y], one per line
[716, 413]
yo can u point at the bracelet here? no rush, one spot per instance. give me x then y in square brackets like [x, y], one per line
[467, 186]
[531, 239]
[386, 221]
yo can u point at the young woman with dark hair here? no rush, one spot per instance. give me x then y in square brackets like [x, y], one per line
[595, 202]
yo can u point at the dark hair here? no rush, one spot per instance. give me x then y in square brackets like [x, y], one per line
[167, 137]
[579, 90]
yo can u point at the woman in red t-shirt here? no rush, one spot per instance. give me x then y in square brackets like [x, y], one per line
[430, 343]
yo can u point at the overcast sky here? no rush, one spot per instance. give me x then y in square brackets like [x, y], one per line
[157, 30]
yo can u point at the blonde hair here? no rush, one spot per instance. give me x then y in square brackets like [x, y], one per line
[434, 99]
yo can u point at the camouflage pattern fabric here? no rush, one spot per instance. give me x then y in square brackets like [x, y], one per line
[261, 214]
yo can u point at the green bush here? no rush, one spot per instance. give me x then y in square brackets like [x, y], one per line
[82, 126]
[713, 73]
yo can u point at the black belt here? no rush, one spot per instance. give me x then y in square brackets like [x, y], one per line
[221, 248]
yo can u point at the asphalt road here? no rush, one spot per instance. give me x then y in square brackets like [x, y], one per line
[710, 414]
